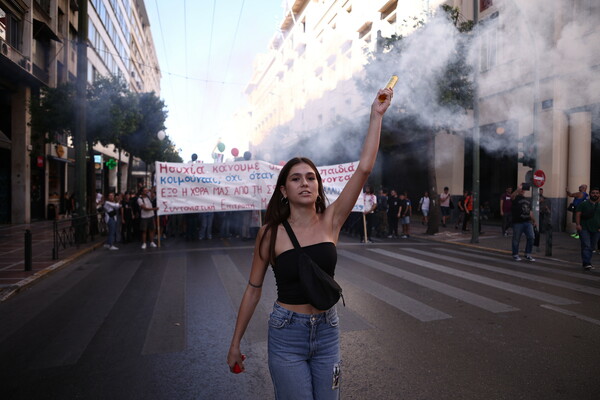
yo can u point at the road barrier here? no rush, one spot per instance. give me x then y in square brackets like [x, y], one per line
[75, 231]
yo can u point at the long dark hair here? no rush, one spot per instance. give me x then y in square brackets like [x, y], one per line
[278, 209]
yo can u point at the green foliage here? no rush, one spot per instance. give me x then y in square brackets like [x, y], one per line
[112, 112]
[453, 89]
[115, 115]
[52, 113]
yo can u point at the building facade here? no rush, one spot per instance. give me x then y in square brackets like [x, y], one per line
[536, 67]
[38, 40]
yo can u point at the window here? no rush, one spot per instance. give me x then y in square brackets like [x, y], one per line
[11, 29]
[489, 46]
[44, 4]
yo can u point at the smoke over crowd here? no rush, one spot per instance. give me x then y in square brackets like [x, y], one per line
[502, 53]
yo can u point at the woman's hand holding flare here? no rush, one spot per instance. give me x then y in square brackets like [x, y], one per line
[380, 107]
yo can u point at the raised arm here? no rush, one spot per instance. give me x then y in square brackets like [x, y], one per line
[250, 299]
[343, 205]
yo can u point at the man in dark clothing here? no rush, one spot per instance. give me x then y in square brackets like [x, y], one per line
[404, 214]
[135, 216]
[392, 214]
[506, 210]
[382, 207]
[523, 222]
[587, 220]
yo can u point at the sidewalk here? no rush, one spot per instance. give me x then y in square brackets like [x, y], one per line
[13, 278]
[563, 247]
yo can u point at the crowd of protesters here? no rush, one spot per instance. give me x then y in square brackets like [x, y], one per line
[131, 217]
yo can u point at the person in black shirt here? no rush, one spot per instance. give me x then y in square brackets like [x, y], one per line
[126, 219]
[392, 214]
[523, 222]
[299, 368]
[381, 211]
[404, 214]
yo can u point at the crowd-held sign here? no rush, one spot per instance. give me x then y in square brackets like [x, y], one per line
[232, 186]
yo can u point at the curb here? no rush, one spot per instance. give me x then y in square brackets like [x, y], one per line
[10, 291]
[484, 248]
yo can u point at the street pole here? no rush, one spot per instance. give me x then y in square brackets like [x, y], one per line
[476, 134]
[80, 133]
[535, 192]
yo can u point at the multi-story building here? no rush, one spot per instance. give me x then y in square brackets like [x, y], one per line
[307, 86]
[38, 40]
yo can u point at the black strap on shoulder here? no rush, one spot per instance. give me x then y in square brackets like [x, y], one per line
[291, 234]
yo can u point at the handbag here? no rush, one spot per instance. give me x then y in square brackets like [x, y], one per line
[322, 291]
[571, 207]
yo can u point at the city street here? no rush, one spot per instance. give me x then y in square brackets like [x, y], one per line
[423, 320]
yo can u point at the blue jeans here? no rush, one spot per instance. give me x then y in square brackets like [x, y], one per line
[206, 225]
[589, 241]
[518, 229]
[304, 354]
[112, 231]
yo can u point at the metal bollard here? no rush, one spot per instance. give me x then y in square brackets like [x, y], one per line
[27, 250]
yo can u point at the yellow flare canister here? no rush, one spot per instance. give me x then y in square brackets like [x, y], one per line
[390, 85]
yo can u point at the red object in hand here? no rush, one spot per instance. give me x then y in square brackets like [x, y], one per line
[236, 368]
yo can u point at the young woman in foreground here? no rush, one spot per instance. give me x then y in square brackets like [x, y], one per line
[303, 345]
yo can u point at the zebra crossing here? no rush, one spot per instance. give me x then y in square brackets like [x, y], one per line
[476, 272]
[447, 262]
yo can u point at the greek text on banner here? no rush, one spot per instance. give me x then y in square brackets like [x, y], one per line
[232, 186]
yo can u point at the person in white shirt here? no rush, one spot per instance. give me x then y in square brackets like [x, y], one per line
[146, 217]
[445, 205]
[111, 207]
[424, 207]
[369, 211]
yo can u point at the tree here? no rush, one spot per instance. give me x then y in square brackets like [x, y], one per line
[130, 121]
[52, 114]
[113, 116]
[435, 92]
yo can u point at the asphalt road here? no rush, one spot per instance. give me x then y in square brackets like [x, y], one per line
[422, 321]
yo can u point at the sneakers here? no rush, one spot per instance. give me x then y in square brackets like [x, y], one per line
[144, 246]
[152, 244]
[113, 248]
[527, 257]
[588, 267]
[106, 245]
[575, 235]
[404, 237]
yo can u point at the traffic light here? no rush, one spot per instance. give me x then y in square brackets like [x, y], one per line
[528, 149]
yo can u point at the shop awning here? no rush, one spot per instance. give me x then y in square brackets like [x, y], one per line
[41, 29]
[65, 160]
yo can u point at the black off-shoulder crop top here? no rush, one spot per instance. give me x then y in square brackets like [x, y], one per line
[285, 268]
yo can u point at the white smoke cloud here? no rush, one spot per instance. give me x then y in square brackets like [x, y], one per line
[556, 39]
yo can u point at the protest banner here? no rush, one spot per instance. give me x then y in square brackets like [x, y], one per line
[232, 186]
